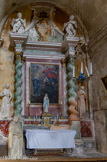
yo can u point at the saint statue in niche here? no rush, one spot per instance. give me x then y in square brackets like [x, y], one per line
[82, 102]
[6, 104]
[45, 103]
[70, 27]
[15, 139]
[19, 24]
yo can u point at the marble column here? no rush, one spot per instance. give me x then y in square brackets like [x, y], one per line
[18, 83]
[71, 43]
[17, 41]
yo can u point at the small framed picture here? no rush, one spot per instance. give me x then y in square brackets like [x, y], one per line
[104, 81]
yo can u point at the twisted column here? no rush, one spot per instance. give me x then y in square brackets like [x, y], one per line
[18, 89]
[72, 94]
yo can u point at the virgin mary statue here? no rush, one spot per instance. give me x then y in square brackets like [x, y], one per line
[45, 103]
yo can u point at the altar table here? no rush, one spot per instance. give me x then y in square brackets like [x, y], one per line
[50, 139]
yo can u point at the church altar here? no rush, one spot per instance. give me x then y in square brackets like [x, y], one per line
[52, 89]
[50, 139]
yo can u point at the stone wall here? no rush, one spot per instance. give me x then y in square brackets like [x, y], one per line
[99, 58]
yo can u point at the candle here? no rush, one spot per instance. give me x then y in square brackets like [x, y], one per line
[73, 71]
[57, 116]
[87, 72]
[91, 68]
[36, 116]
[82, 67]
[61, 102]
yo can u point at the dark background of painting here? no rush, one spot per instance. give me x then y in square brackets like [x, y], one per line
[104, 80]
[44, 79]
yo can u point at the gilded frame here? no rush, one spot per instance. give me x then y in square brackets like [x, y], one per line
[44, 64]
[104, 82]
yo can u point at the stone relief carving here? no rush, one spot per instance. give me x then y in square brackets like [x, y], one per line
[33, 35]
[82, 102]
[19, 24]
[6, 105]
[15, 139]
[43, 28]
[70, 27]
[44, 31]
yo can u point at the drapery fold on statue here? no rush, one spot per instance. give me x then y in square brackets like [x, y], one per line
[50, 139]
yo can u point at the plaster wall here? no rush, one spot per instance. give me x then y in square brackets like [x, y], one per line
[99, 59]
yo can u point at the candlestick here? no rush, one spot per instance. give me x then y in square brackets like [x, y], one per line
[34, 119]
[87, 72]
[36, 116]
[29, 110]
[57, 116]
[82, 67]
[61, 109]
[91, 68]
[73, 71]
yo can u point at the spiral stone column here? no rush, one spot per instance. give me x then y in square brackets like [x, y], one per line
[70, 44]
[72, 94]
[17, 42]
[18, 84]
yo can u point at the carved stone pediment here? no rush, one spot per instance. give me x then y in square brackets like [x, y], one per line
[42, 26]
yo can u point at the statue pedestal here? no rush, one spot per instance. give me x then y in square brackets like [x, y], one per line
[46, 119]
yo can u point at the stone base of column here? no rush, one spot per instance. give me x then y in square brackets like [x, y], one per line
[78, 151]
[76, 126]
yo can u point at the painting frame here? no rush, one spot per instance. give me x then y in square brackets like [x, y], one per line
[104, 82]
[30, 82]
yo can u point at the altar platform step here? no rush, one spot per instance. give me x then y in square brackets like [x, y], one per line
[58, 158]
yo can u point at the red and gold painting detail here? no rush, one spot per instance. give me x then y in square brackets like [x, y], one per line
[86, 129]
[4, 127]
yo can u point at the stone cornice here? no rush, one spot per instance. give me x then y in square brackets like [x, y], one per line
[49, 46]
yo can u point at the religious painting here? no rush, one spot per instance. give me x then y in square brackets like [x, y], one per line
[104, 81]
[44, 79]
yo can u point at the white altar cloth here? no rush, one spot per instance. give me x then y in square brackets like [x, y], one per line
[50, 139]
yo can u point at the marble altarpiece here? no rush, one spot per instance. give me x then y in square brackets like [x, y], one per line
[61, 65]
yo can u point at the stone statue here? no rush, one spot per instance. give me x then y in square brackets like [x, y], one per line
[15, 139]
[70, 27]
[82, 106]
[45, 103]
[33, 35]
[6, 104]
[19, 24]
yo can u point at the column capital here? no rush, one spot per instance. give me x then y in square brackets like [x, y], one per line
[69, 45]
[16, 38]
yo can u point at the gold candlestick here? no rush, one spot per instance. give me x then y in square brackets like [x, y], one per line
[61, 109]
[29, 117]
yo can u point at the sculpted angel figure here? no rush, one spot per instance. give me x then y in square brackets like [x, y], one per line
[70, 27]
[19, 24]
[15, 139]
[45, 103]
[6, 103]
